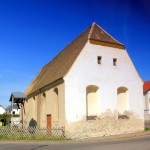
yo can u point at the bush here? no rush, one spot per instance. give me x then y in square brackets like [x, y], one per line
[5, 118]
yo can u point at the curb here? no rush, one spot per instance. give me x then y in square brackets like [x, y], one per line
[116, 137]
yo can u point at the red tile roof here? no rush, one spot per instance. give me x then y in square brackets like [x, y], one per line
[146, 86]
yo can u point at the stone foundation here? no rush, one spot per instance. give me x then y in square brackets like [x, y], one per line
[105, 125]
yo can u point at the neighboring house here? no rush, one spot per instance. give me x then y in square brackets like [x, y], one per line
[15, 111]
[2, 109]
[91, 88]
[15, 120]
[146, 90]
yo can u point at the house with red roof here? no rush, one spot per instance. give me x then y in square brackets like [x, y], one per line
[91, 88]
[146, 90]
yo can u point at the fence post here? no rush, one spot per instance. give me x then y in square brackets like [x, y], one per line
[63, 131]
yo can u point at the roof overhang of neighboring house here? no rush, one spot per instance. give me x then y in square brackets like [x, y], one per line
[17, 97]
[146, 87]
[146, 92]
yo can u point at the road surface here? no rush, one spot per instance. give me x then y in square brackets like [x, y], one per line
[142, 143]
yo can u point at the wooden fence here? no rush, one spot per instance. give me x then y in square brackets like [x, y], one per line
[31, 133]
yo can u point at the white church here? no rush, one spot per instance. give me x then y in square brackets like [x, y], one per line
[91, 88]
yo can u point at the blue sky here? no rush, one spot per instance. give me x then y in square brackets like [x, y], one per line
[32, 32]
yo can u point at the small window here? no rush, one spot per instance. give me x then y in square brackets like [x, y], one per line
[114, 61]
[99, 59]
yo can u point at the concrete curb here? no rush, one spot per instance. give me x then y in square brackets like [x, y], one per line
[116, 137]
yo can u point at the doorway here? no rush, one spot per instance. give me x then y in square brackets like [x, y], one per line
[49, 121]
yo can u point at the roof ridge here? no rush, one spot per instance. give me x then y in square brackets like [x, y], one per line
[91, 30]
[71, 51]
[63, 49]
[68, 45]
[109, 34]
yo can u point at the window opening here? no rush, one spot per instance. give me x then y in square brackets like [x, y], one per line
[114, 61]
[99, 59]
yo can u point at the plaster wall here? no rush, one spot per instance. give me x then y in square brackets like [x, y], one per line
[122, 102]
[147, 106]
[40, 106]
[147, 102]
[108, 78]
[29, 110]
[92, 100]
[58, 120]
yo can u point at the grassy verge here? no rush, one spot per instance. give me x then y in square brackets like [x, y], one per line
[13, 133]
[34, 139]
[147, 129]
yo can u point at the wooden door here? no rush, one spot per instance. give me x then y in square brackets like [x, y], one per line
[49, 121]
[49, 124]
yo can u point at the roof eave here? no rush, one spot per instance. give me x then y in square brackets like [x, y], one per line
[109, 44]
[46, 88]
[145, 92]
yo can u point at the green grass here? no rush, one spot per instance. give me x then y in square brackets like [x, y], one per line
[147, 129]
[36, 139]
[31, 137]
[28, 136]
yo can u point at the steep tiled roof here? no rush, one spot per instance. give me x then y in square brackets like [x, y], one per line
[146, 86]
[60, 65]
[99, 34]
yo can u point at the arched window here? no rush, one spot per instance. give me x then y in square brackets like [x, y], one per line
[56, 104]
[122, 99]
[92, 101]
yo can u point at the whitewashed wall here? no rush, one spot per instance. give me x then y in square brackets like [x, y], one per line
[86, 71]
[39, 108]
[147, 102]
[17, 111]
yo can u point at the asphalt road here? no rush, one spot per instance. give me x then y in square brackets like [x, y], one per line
[142, 143]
